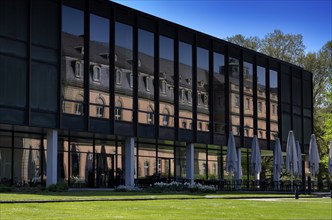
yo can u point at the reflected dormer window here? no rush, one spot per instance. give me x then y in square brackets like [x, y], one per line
[115, 57]
[189, 96]
[78, 69]
[139, 63]
[188, 81]
[80, 50]
[182, 95]
[118, 77]
[96, 73]
[198, 99]
[131, 80]
[147, 83]
[163, 86]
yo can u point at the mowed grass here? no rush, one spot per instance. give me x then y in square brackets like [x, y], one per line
[172, 208]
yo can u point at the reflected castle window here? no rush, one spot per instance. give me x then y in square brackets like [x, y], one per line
[79, 69]
[274, 110]
[206, 101]
[200, 126]
[184, 124]
[118, 110]
[237, 101]
[96, 73]
[259, 106]
[165, 117]
[78, 108]
[260, 134]
[100, 107]
[149, 115]
[247, 103]
[207, 127]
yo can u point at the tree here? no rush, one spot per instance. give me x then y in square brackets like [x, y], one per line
[287, 47]
[253, 43]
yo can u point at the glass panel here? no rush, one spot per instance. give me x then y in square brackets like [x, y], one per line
[261, 102]
[124, 72]
[166, 162]
[248, 99]
[146, 161]
[202, 90]
[13, 17]
[166, 81]
[307, 101]
[234, 95]
[6, 158]
[296, 88]
[274, 104]
[27, 161]
[200, 163]
[180, 162]
[219, 92]
[145, 77]
[72, 60]
[185, 86]
[99, 67]
[44, 88]
[12, 81]
[45, 23]
[214, 165]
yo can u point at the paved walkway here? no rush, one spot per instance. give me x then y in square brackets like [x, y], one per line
[239, 197]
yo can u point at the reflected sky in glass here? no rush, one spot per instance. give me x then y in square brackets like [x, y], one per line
[72, 21]
[99, 29]
[185, 53]
[166, 48]
[123, 35]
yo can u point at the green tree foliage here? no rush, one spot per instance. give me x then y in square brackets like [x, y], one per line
[287, 47]
[253, 43]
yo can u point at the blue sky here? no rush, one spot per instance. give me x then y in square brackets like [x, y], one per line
[222, 18]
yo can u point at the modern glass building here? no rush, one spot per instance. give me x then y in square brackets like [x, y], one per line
[97, 94]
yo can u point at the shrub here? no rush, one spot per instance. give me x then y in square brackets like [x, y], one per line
[122, 188]
[4, 188]
[179, 187]
[59, 187]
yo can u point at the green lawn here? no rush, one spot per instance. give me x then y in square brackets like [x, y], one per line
[172, 208]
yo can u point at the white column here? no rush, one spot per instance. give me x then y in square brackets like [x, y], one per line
[190, 162]
[129, 162]
[52, 157]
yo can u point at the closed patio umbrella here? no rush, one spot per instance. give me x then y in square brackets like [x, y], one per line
[278, 162]
[255, 160]
[299, 156]
[313, 156]
[329, 164]
[291, 157]
[238, 173]
[231, 157]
